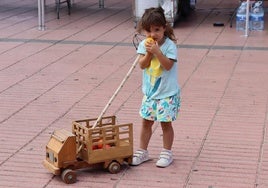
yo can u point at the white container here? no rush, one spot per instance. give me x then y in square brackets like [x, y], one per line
[140, 6]
[170, 7]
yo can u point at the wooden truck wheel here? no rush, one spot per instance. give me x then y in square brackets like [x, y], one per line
[68, 176]
[114, 167]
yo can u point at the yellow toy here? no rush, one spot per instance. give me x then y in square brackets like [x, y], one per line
[149, 40]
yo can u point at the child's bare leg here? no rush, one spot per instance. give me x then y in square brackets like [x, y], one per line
[168, 135]
[165, 158]
[146, 133]
[142, 155]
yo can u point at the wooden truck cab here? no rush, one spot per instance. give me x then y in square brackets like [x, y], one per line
[60, 151]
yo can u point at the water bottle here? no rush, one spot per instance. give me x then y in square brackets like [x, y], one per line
[257, 17]
[240, 21]
[241, 17]
[257, 21]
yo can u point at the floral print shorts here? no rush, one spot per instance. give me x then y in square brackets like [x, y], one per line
[162, 110]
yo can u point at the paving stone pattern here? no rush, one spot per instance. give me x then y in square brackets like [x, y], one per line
[69, 71]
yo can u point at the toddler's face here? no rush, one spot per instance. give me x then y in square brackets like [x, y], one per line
[157, 33]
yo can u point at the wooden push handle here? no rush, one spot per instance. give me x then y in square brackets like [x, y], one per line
[117, 91]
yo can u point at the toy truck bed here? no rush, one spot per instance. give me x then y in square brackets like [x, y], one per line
[105, 143]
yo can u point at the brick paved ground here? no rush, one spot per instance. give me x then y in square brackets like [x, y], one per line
[69, 71]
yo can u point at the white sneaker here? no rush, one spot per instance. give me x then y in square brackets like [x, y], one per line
[165, 158]
[139, 157]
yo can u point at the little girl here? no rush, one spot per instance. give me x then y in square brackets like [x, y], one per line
[161, 101]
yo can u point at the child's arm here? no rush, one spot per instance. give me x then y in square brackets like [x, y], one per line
[145, 60]
[165, 62]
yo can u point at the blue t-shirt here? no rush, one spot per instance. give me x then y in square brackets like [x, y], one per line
[159, 83]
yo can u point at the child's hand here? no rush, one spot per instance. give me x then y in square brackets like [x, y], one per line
[149, 42]
[151, 45]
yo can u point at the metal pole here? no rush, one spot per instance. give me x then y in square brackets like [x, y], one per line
[247, 19]
[101, 3]
[117, 91]
[41, 15]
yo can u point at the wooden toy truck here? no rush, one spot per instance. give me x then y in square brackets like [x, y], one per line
[107, 144]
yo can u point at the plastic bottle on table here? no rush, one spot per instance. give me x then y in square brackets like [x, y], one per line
[241, 17]
[257, 16]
